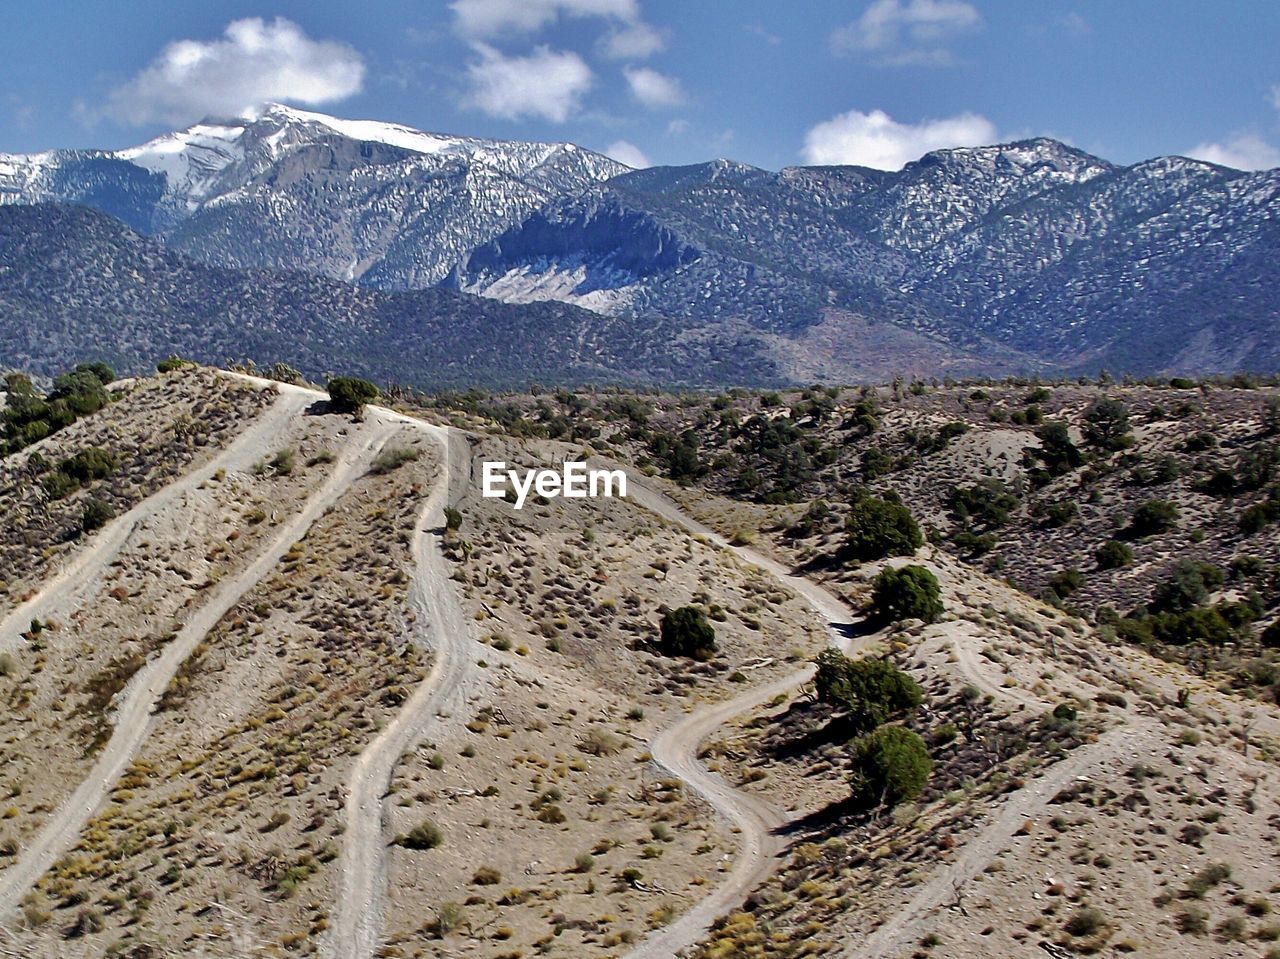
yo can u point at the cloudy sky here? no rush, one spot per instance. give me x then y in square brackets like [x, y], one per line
[876, 82]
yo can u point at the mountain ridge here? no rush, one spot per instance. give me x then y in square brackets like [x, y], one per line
[1025, 257]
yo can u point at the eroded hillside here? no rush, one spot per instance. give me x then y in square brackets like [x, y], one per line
[816, 685]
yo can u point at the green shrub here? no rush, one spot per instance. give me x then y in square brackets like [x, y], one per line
[1057, 513]
[875, 463]
[1154, 516]
[871, 691]
[890, 765]
[28, 417]
[79, 470]
[174, 362]
[348, 394]
[1065, 583]
[452, 519]
[877, 528]
[911, 592]
[425, 836]
[1188, 586]
[1261, 515]
[392, 458]
[989, 504]
[686, 632]
[284, 461]
[1086, 922]
[1198, 625]
[96, 515]
[100, 370]
[1113, 554]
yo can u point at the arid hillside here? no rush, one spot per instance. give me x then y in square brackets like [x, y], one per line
[983, 669]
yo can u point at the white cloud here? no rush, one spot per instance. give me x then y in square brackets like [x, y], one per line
[628, 153]
[635, 41]
[677, 128]
[1244, 151]
[547, 83]
[1074, 24]
[254, 61]
[480, 19]
[907, 32]
[758, 30]
[876, 140]
[652, 88]
[1275, 96]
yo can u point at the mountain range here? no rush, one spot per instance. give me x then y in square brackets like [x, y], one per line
[338, 244]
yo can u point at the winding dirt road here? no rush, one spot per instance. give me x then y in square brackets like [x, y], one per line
[132, 719]
[676, 748]
[441, 626]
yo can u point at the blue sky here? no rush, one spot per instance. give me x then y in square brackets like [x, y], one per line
[768, 83]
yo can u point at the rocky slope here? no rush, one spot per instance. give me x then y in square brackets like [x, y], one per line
[287, 189]
[1031, 253]
[1027, 257]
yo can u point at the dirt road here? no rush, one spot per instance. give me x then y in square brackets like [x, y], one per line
[64, 588]
[441, 626]
[132, 718]
[676, 748]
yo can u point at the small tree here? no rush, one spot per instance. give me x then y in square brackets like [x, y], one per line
[686, 632]
[911, 592]
[1106, 425]
[890, 765]
[1113, 554]
[347, 394]
[1154, 516]
[1271, 636]
[880, 527]
[1187, 587]
[989, 504]
[1057, 452]
[871, 691]
[104, 373]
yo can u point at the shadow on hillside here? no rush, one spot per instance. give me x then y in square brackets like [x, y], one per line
[856, 630]
[832, 819]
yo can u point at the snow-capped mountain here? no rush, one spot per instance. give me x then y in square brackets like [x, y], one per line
[1022, 257]
[1032, 255]
[284, 188]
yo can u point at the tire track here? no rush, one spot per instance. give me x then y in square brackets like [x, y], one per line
[676, 747]
[1029, 802]
[441, 625]
[133, 716]
[69, 584]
